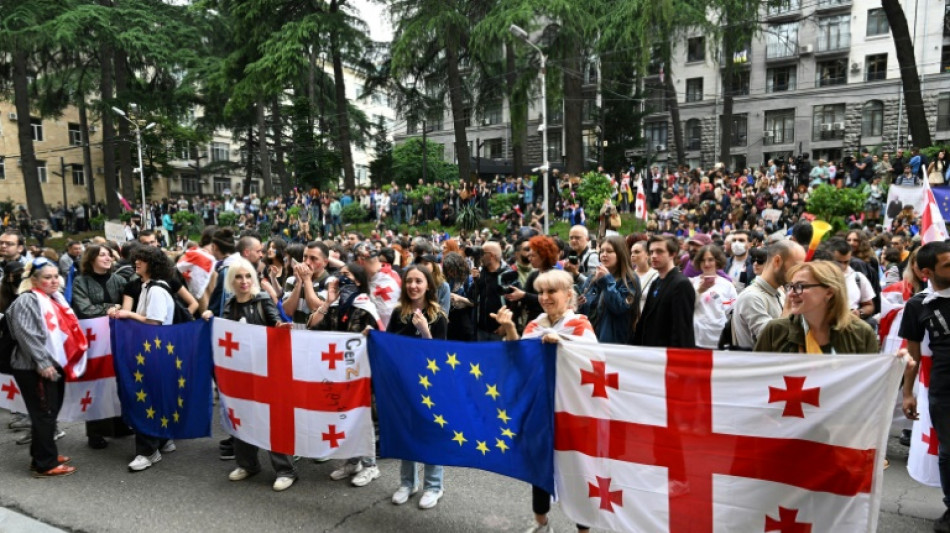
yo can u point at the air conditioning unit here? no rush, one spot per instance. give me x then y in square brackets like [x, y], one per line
[661, 148]
[12, 116]
[826, 127]
[93, 129]
[806, 49]
[855, 67]
[839, 126]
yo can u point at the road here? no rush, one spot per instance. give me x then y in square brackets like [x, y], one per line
[189, 491]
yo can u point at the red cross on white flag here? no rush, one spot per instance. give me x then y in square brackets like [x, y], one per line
[694, 440]
[921, 462]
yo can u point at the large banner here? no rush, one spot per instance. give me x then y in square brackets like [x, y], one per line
[652, 439]
[900, 196]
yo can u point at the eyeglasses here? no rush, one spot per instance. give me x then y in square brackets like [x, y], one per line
[798, 288]
[9, 243]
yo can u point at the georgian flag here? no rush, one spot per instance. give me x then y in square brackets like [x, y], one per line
[932, 226]
[295, 392]
[640, 207]
[93, 396]
[196, 266]
[653, 439]
[922, 459]
[384, 293]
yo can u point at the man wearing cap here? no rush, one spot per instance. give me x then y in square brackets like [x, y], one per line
[739, 265]
[383, 289]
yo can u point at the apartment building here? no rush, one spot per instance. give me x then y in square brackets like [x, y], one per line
[821, 78]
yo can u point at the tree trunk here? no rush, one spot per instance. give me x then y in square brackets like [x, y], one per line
[518, 111]
[21, 99]
[124, 142]
[675, 115]
[457, 100]
[725, 122]
[86, 152]
[108, 126]
[342, 108]
[249, 164]
[262, 147]
[573, 112]
[913, 101]
[278, 128]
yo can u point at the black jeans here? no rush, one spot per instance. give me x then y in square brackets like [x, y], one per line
[146, 445]
[940, 418]
[43, 399]
[541, 503]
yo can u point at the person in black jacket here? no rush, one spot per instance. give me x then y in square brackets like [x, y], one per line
[667, 317]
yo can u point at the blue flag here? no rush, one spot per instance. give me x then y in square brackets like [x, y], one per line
[488, 405]
[164, 377]
[942, 195]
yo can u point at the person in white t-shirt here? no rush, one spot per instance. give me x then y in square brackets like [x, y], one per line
[715, 296]
[860, 291]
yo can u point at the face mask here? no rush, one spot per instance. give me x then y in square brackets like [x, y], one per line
[738, 248]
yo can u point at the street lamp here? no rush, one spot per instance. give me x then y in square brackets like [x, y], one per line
[141, 170]
[522, 35]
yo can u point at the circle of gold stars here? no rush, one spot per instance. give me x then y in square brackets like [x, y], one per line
[142, 396]
[491, 390]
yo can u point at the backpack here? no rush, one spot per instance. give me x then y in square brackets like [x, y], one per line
[7, 344]
[181, 314]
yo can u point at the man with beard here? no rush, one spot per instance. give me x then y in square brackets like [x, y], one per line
[761, 301]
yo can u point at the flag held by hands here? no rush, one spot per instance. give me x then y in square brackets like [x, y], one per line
[488, 405]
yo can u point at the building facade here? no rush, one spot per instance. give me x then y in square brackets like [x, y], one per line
[821, 79]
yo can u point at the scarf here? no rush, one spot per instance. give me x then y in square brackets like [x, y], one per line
[811, 344]
[65, 338]
[571, 325]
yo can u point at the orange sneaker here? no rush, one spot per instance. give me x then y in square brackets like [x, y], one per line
[59, 471]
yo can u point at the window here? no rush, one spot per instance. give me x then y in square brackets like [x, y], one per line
[781, 40]
[590, 111]
[740, 131]
[781, 79]
[75, 134]
[740, 83]
[694, 89]
[362, 174]
[183, 149]
[467, 115]
[877, 22]
[554, 147]
[492, 114]
[221, 184]
[590, 71]
[412, 127]
[79, 176]
[3, 168]
[41, 171]
[357, 90]
[739, 161]
[834, 33]
[780, 126]
[37, 127]
[825, 4]
[696, 49]
[255, 188]
[781, 7]
[495, 148]
[828, 122]
[190, 185]
[833, 72]
[694, 134]
[945, 59]
[876, 67]
[943, 112]
[872, 119]
[655, 135]
[219, 151]
[434, 120]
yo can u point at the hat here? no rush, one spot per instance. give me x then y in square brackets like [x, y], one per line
[701, 239]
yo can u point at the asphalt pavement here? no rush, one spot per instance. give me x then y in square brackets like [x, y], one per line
[189, 491]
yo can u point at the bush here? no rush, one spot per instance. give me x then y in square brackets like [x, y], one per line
[98, 222]
[187, 223]
[593, 189]
[294, 211]
[834, 205]
[125, 216]
[467, 218]
[500, 204]
[227, 219]
[354, 213]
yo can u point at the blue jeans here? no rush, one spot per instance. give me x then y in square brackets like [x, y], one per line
[409, 475]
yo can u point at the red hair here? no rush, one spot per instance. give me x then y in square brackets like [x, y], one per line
[546, 249]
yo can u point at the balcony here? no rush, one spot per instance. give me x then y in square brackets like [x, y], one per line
[779, 50]
[833, 42]
[784, 9]
[833, 5]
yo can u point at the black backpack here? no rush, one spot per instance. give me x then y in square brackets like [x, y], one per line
[7, 345]
[182, 315]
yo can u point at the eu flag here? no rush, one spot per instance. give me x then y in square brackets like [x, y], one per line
[488, 405]
[942, 195]
[164, 377]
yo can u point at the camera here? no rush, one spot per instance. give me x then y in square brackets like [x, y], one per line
[473, 252]
[573, 259]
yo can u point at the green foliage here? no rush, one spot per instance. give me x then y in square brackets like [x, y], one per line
[931, 151]
[500, 204]
[468, 218]
[354, 213]
[593, 189]
[125, 216]
[407, 163]
[227, 219]
[189, 222]
[418, 193]
[7, 206]
[294, 211]
[834, 205]
[98, 222]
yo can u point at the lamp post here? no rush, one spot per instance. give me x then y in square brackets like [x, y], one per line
[141, 170]
[518, 32]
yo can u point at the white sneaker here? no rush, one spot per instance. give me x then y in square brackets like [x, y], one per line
[141, 462]
[401, 496]
[429, 499]
[540, 528]
[283, 483]
[345, 471]
[365, 476]
[239, 474]
[169, 447]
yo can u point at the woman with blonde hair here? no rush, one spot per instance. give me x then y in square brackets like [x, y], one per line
[821, 320]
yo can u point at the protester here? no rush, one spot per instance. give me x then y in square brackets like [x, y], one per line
[612, 294]
[667, 316]
[715, 296]
[418, 315]
[543, 254]
[763, 300]
[461, 316]
[38, 360]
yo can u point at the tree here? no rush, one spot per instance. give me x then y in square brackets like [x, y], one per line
[407, 162]
[381, 168]
[913, 100]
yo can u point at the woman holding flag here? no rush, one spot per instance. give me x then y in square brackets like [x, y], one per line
[49, 343]
[556, 296]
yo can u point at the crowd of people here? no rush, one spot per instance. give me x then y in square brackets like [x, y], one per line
[708, 280]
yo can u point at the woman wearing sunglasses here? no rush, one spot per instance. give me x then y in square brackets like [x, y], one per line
[821, 321]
